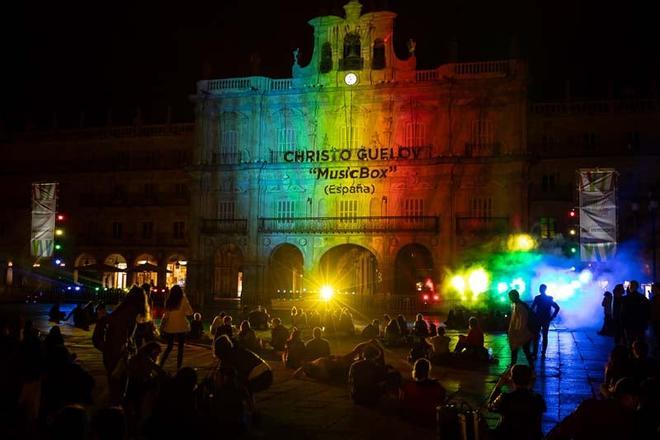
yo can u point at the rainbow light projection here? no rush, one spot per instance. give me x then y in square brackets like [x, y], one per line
[577, 289]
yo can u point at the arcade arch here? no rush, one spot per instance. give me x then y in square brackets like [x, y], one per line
[115, 280]
[413, 264]
[285, 272]
[349, 269]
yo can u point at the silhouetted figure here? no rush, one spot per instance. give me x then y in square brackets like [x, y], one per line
[55, 314]
[519, 333]
[294, 350]
[253, 372]
[635, 313]
[371, 330]
[247, 338]
[317, 346]
[606, 304]
[421, 396]
[618, 366]
[196, 327]
[278, 335]
[521, 410]
[545, 309]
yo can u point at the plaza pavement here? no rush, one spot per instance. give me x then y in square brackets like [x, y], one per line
[303, 408]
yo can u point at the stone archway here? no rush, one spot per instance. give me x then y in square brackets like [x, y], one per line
[413, 264]
[285, 272]
[116, 280]
[349, 269]
[81, 261]
[228, 272]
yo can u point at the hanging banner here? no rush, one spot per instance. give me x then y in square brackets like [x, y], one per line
[44, 207]
[598, 223]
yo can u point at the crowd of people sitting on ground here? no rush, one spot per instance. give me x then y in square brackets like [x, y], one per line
[45, 391]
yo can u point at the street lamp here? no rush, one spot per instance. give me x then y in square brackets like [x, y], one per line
[653, 207]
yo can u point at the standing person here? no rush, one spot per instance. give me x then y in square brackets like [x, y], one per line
[655, 314]
[119, 344]
[519, 333]
[175, 323]
[635, 313]
[606, 330]
[617, 325]
[143, 326]
[546, 309]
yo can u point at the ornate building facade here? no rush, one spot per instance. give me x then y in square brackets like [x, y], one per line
[359, 171]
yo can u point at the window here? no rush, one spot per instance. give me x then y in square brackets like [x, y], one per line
[548, 183]
[378, 55]
[414, 135]
[482, 134]
[229, 142]
[179, 229]
[147, 230]
[286, 139]
[326, 58]
[548, 227]
[285, 210]
[350, 137]
[227, 209]
[117, 230]
[481, 207]
[348, 210]
[413, 208]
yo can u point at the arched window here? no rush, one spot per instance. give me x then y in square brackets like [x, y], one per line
[378, 55]
[352, 52]
[326, 58]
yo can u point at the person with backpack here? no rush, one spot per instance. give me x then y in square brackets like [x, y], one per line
[522, 328]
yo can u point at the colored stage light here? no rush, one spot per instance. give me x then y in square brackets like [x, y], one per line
[59, 232]
[327, 292]
[519, 284]
[478, 281]
[585, 276]
[58, 247]
[425, 297]
[436, 297]
[521, 242]
[458, 283]
[58, 261]
[502, 287]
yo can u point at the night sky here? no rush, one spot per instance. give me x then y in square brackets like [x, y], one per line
[66, 56]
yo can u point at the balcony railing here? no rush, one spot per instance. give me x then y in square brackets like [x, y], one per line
[130, 199]
[482, 225]
[343, 225]
[223, 226]
[591, 107]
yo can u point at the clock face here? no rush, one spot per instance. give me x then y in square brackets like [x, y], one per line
[351, 79]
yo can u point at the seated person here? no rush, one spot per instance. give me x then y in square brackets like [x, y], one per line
[278, 335]
[618, 366]
[144, 376]
[196, 327]
[643, 366]
[294, 350]
[473, 343]
[421, 396]
[611, 418]
[421, 349]
[252, 371]
[317, 346]
[420, 327]
[521, 410]
[80, 317]
[55, 314]
[217, 322]
[433, 329]
[232, 405]
[226, 328]
[258, 319]
[371, 330]
[393, 333]
[439, 345]
[247, 338]
[366, 376]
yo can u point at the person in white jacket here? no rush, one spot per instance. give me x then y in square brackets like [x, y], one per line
[175, 323]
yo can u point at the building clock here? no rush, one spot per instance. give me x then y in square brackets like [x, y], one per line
[351, 79]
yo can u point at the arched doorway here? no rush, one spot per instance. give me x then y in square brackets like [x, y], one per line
[115, 280]
[145, 269]
[349, 269]
[285, 272]
[413, 265]
[176, 271]
[82, 261]
[228, 272]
